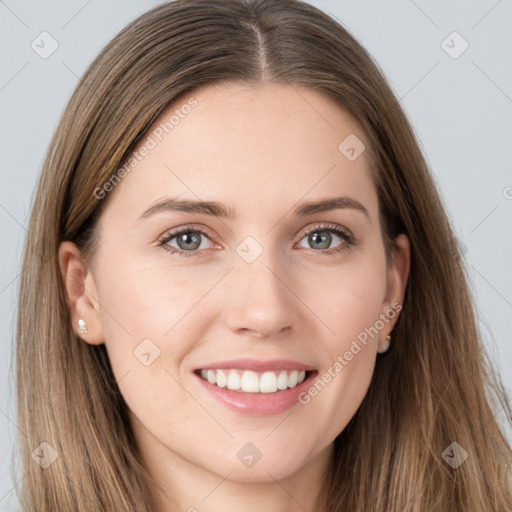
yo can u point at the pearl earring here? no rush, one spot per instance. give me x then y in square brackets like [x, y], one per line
[386, 347]
[81, 326]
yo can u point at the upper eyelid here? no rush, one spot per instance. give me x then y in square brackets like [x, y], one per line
[326, 226]
[171, 233]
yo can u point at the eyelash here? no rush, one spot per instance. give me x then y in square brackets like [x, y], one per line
[349, 239]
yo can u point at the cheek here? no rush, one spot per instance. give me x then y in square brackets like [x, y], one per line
[144, 301]
[349, 362]
[349, 302]
[341, 388]
[354, 316]
[350, 305]
[146, 323]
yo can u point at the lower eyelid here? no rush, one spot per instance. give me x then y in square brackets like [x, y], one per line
[164, 241]
[346, 237]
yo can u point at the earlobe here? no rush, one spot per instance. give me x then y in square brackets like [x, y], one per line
[81, 296]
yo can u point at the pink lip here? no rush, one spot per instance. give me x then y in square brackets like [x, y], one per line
[257, 404]
[257, 365]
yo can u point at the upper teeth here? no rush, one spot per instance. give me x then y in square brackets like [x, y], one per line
[253, 382]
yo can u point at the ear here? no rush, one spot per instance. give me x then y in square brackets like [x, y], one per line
[81, 295]
[398, 274]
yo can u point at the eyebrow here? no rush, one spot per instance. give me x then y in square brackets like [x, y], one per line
[217, 209]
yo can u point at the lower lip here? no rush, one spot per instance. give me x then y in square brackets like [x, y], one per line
[257, 404]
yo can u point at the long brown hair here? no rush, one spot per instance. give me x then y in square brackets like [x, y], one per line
[435, 386]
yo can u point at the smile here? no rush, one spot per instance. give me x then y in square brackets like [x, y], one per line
[255, 387]
[248, 381]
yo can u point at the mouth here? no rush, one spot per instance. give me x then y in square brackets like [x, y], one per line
[255, 387]
[250, 381]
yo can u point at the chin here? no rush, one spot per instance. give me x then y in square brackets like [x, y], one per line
[262, 472]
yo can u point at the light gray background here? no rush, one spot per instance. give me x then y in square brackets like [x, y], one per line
[461, 109]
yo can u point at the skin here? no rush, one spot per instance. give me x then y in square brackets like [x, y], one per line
[261, 151]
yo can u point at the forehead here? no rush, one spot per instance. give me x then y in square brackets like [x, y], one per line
[250, 147]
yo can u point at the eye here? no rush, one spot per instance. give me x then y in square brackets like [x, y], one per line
[321, 236]
[188, 238]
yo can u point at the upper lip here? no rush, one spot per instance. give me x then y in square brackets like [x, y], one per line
[258, 365]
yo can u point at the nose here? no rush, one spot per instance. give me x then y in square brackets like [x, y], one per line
[261, 301]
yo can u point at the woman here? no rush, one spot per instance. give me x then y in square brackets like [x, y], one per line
[184, 344]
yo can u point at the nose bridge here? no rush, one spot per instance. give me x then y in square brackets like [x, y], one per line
[261, 301]
[260, 270]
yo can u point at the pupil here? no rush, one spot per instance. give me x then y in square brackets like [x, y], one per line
[322, 237]
[189, 238]
[326, 236]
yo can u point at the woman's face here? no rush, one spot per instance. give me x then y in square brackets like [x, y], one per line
[265, 290]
